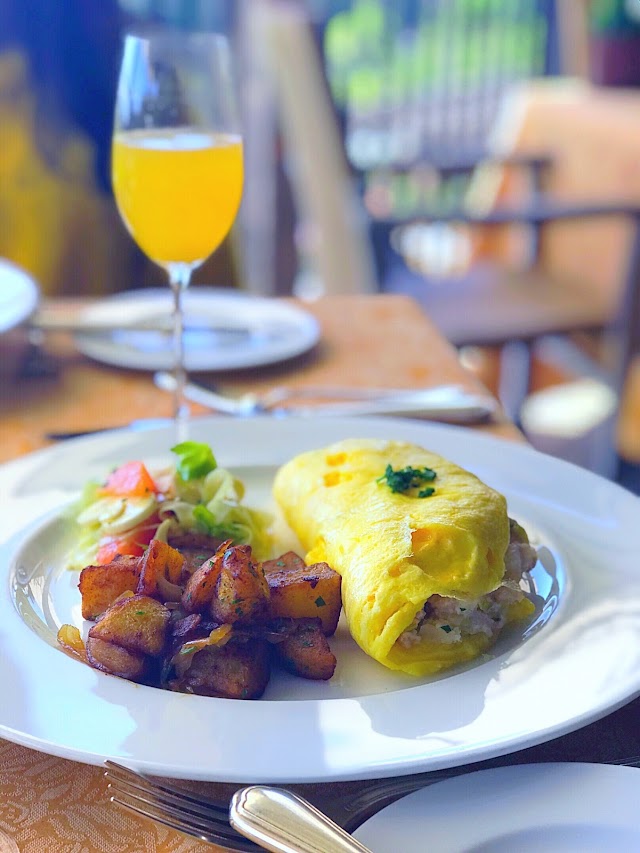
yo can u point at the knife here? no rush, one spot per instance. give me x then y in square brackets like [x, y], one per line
[52, 321]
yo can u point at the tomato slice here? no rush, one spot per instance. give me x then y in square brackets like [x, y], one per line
[131, 479]
[132, 543]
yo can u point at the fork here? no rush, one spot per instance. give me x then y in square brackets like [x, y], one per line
[208, 819]
[450, 403]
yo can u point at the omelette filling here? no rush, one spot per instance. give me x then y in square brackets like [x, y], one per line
[445, 620]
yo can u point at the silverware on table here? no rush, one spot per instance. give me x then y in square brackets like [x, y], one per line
[44, 320]
[446, 403]
[283, 822]
[184, 810]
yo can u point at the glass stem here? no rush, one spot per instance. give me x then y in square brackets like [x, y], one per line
[179, 278]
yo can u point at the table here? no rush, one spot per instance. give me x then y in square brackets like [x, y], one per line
[366, 340]
[58, 806]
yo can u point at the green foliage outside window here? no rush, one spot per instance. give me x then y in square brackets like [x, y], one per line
[371, 56]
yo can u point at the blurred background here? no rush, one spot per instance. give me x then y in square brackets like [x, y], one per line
[480, 156]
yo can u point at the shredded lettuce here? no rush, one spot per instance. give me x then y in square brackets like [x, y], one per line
[201, 497]
[213, 505]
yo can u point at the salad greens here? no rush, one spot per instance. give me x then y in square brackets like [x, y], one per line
[195, 459]
[193, 495]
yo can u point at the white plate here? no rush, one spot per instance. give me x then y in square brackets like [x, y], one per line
[578, 661]
[532, 808]
[18, 295]
[251, 331]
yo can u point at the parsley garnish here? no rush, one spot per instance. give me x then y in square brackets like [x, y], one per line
[406, 479]
[195, 459]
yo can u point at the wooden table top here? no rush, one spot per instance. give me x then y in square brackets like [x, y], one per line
[380, 340]
[58, 805]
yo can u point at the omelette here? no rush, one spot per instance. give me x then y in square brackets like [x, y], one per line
[430, 561]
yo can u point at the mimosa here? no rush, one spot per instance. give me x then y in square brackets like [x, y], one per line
[178, 190]
[177, 165]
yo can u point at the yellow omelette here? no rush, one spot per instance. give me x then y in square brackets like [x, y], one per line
[396, 551]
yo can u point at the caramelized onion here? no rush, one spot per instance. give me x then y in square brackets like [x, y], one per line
[168, 591]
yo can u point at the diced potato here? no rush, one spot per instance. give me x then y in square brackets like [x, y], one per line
[300, 591]
[111, 658]
[159, 561]
[100, 585]
[199, 589]
[211, 628]
[242, 592]
[287, 562]
[306, 651]
[237, 670]
[137, 623]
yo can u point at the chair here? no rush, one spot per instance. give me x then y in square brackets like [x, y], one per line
[329, 209]
[417, 86]
[366, 93]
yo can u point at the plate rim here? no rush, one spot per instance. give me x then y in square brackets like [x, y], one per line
[102, 348]
[520, 777]
[25, 289]
[326, 768]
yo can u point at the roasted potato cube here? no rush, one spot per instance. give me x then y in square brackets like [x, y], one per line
[237, 670]
[100, 585]
[287, 562]
[199, 589]
[137, 623]
[302, 591]
[306, 651]
[111, 658]
[242, 593]
[159, 561]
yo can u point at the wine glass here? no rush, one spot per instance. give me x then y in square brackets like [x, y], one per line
[177, 161]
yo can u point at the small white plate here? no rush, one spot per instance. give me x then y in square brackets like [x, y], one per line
[531, 808]
[577, 661]
[19, 295]
[225, 330]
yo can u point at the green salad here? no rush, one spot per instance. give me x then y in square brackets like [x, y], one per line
[193, 496]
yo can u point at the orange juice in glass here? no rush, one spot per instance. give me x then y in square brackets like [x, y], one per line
[177, 163]
[178, 190]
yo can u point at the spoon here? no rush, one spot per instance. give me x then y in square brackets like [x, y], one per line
[283, 822]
